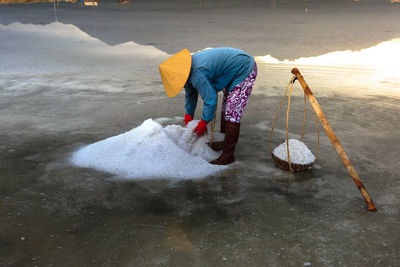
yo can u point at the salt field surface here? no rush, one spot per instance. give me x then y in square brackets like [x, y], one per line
[89, 82]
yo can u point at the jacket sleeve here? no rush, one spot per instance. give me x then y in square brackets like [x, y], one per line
[190, 99]
[208, 94]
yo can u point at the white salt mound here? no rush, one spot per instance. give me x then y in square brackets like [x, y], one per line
[299, 152]
[151, 151]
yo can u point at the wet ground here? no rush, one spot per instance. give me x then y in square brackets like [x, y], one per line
[253, 214]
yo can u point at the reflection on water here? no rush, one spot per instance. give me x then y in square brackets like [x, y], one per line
[381, 60]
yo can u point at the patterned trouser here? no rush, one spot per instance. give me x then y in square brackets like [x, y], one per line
[235, 101]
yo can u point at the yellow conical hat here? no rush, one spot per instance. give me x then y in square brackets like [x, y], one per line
[175, 72]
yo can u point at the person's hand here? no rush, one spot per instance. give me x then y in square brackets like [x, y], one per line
[201, 127]
[187, 119]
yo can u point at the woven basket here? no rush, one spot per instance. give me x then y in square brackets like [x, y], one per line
[283, 164]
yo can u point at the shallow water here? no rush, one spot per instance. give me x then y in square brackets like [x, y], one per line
[251, 214]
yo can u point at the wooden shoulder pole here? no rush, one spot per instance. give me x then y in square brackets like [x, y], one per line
[335, 141]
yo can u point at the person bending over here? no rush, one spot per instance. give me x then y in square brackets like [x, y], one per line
[206, 73]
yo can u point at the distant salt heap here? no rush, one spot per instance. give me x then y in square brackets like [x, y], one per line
[299, 152]
[151, 151]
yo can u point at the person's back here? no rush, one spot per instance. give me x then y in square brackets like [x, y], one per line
[225, 67]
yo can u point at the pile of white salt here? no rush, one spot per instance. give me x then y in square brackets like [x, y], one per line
[299, 152]
[151, 151]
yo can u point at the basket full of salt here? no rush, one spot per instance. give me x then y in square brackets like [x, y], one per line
[301, 158]
[293, 154]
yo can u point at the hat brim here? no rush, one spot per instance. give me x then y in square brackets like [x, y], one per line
[175, 71]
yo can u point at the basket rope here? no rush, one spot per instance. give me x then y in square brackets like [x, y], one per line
[291, 84]
[317, 129]
[304, 118]
[287, 127]
[277, 115]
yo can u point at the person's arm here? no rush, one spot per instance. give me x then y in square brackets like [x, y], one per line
[190, 99]
[208, 94]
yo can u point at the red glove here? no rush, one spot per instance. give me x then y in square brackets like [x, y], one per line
[187, 119]
[201, 127]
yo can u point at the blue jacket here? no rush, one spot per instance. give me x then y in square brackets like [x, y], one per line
[213, 70]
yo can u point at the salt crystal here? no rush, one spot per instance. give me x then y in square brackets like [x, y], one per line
[189, 135]
[152, 151]
[299, 152]
[196, 145]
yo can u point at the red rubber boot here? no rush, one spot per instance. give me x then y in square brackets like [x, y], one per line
[232, 131]
[222, 121]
